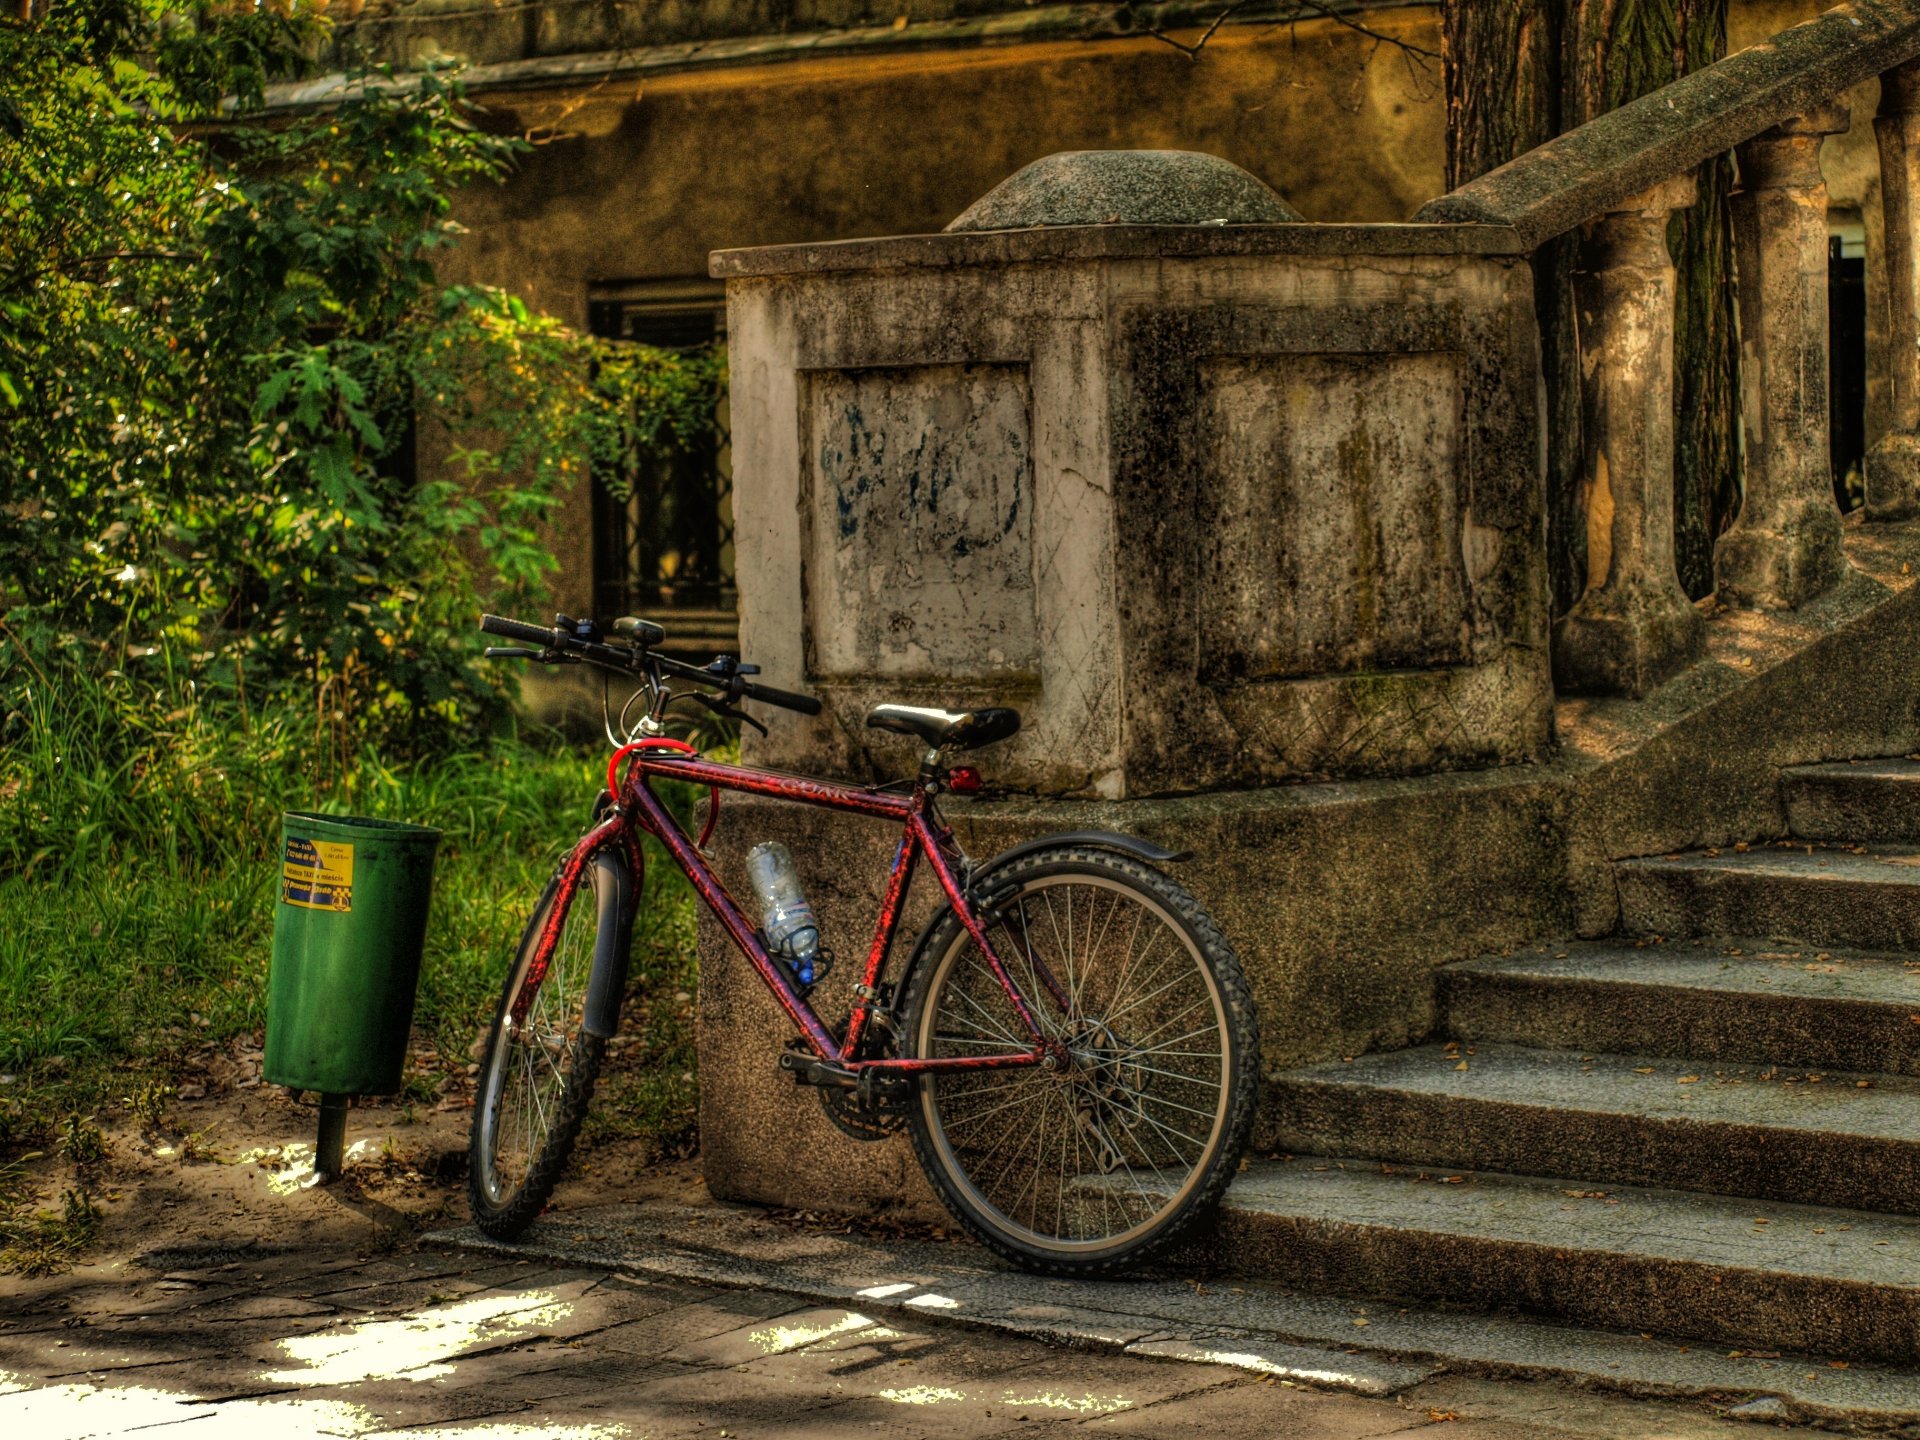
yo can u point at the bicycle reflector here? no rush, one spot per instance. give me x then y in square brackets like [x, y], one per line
[965, 780]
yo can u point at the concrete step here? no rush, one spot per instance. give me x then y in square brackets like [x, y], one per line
[1726, 1001]
[1862, 801]
[1787, 1135]
[1824, 896]
[1776, 1276]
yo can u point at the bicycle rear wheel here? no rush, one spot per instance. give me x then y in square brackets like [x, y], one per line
[1094, 1164]
[541, 1064]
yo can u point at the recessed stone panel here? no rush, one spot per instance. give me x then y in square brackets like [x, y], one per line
[1330, 514]
[920, 556]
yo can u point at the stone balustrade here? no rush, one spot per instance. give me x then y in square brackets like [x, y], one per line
[1773, 105]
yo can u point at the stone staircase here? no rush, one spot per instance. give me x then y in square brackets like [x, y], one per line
[1677, 1133]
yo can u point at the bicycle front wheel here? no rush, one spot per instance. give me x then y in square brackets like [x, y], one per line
[541, 1064]
[1132, 1132]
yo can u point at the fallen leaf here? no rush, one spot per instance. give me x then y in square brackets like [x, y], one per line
[1689, 1079]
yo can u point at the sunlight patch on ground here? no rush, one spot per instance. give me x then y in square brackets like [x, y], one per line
[417, 1346]
[1083, 1404]
[930, 1301]
[778, 1339]
[883, 1292]
[923, 1395]
[290, 1167]
[1261, 1365]
[69, 1412]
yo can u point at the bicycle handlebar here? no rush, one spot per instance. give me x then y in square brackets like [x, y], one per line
[785, 699]
[629, 660]
[520, 630]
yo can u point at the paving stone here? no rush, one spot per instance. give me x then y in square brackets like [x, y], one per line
[791, 1330]
[658, 1335]
[926, 1415]
[1255, 1409]
[1299, 1364]
[892, 1355]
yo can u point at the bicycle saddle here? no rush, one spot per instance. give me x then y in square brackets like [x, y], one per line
[962, 730]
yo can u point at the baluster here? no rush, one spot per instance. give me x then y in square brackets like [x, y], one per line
[1634, 626]
[1784, 548]
[1893, 464]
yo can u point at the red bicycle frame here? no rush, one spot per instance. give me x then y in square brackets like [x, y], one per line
[640, 809]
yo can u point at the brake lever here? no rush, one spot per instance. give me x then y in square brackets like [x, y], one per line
[721, 708]
[510, 652]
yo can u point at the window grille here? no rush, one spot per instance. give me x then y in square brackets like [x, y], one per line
[664, 549]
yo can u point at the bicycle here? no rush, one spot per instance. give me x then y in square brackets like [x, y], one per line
[1071, 1046]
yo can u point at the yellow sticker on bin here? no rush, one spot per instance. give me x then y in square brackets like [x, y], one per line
[317, 875]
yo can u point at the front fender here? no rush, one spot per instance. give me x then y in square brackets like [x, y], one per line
[613, 942]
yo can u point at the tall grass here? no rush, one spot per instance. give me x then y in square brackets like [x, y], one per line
[139, 826]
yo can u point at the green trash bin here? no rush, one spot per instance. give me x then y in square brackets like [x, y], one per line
[347, 937]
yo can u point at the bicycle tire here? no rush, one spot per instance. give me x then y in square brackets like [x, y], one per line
[504, 1210]
[1111, 1078]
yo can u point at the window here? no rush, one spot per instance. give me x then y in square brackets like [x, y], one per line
[665, 550]
[1847, 363]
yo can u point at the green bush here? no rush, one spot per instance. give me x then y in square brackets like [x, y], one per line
[216, 338]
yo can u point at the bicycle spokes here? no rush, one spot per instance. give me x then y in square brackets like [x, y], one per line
[1112, 1128]
[539, 1050]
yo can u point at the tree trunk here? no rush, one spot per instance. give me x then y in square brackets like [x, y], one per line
[1519, 72]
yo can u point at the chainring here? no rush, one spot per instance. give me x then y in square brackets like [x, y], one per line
[852, 1119]
[850, 1115]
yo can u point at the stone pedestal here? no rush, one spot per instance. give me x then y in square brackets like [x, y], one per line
[1784, 548]
[1633, 627]
[1893, 465]
[1210, 504]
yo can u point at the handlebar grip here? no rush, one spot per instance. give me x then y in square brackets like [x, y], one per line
[517, 630]
[785, 699]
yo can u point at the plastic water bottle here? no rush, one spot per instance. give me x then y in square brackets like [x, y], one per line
[785, 917]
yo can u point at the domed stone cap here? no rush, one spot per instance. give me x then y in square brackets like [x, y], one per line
[1127, 187]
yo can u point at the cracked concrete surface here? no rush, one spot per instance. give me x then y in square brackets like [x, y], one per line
[250, 1338]
[1367, 1348]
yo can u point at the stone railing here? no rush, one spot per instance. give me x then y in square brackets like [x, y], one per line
[1621, 177]
[1218, 497]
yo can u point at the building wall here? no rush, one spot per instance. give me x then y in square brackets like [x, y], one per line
[645, 182]
[636, 180]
